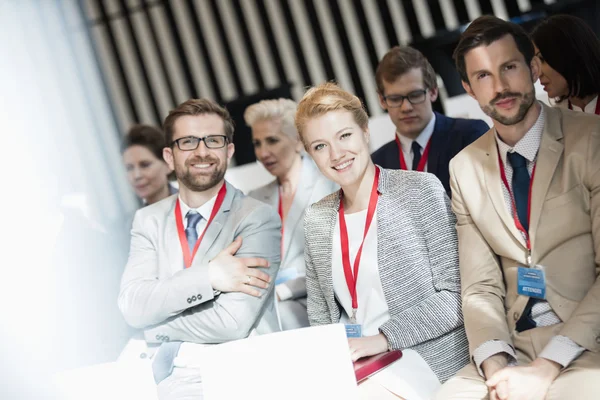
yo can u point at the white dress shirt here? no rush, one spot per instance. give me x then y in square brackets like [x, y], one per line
[590, 107]
[372, 308]
[422, 139]
[205, 210]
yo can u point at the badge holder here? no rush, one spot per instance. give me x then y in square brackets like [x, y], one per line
[353, 330]
[531, 281]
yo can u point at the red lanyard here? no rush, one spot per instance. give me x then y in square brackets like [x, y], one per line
[352, 278]
[421, 166]
[514, 205]
[597, 111]
[187, 257]
[280, 211]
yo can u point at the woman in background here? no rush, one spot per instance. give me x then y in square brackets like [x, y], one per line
[570, 54]
[147, 172]
[382, 252]
[297, 184]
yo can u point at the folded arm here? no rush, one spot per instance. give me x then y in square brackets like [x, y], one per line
[231, 315]
[144, 299]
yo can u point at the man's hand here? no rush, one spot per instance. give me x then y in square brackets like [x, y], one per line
[492, 365]
[530, 382]
[228, 273]
[367, 346]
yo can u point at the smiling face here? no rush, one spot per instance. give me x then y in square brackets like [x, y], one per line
[146, 173]
[273, 148]
[339, 147]
[501, 81]
[203, 168]
[409, 119]
[553, 82]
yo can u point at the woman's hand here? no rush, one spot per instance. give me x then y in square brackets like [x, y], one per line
[367, 346]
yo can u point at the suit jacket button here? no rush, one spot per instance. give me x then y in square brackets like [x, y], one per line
[199, 296]
[157, 337]
[167, 339]
[516, 316]
[189, 300]
[193, 298]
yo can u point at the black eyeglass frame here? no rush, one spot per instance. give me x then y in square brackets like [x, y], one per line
[407, 97]
[201, 139]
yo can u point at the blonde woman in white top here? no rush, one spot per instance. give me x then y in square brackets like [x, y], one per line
[381, 253]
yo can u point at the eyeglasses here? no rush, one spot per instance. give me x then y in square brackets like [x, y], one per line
[189, 143]
[396, 100]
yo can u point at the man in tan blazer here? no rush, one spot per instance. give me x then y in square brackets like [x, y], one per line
[522, 348]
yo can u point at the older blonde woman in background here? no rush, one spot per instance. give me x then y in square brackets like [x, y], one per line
[381, 253]
[297, 184]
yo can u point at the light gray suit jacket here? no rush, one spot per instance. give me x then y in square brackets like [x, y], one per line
[172, 303]
[312, 187]
[417, 256]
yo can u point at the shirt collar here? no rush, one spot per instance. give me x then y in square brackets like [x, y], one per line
[422, 139]
[204, 210]
[529, 144]
[589, 108]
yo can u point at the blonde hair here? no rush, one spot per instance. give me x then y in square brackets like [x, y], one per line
[327, 97]
[283, 110]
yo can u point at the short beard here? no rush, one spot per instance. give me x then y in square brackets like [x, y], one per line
[195, 183]
[528, 99]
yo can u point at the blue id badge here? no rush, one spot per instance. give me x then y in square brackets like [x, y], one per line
[532, 282]
[353, 330]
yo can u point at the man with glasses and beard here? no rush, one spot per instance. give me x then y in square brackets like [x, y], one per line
[527, 200]
[202, 263]
[425, 140]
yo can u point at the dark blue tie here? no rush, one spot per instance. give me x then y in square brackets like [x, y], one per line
[193, 217]
[520, 186]
[416, 149]
[520, 189]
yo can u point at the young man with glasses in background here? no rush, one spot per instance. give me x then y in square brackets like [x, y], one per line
[425, 140]
[202, 263]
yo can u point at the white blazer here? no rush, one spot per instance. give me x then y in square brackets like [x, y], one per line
[313, 186]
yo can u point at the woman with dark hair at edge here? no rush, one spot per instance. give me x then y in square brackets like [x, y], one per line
[147, 172]
[570, 54]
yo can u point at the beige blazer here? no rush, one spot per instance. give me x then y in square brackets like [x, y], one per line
[564, 229]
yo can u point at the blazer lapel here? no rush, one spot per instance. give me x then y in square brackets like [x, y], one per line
[271, 194]
[215, 227]
[327, 224]
[173, 247]
[299, 204]
[494, 187]
[549, 154]
[438, 143]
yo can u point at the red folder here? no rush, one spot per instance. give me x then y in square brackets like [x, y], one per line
[367, 366]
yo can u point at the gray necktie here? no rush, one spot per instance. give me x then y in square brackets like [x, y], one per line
[193, 217]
